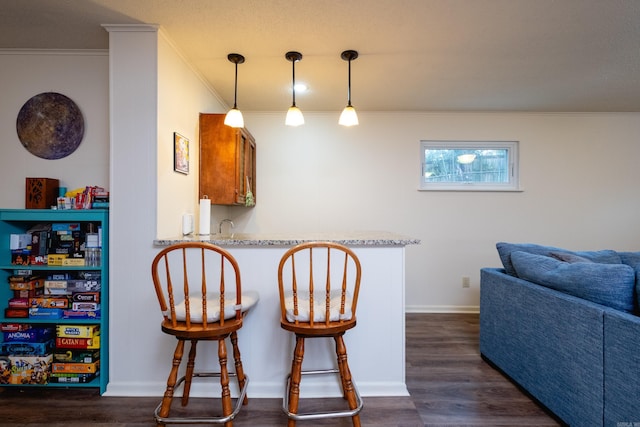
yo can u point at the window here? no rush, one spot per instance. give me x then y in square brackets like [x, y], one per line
[469, 165]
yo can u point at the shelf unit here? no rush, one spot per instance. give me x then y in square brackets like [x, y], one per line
[18, 221]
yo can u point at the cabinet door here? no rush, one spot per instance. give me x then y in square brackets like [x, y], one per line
[250, 167]
[218, 159]
[245, 166]
[227, 161]
[241, 186]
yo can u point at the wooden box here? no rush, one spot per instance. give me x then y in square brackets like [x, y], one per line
[41, 193]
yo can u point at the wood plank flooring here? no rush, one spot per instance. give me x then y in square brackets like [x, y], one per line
[450, 385]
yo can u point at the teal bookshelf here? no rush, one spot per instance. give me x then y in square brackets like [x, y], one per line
[18, 221]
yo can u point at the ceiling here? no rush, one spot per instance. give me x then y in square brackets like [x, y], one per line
[415, 55]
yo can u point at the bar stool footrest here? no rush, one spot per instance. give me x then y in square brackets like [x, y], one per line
[204, 420]
[320, 415]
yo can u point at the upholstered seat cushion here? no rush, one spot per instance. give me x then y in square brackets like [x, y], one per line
[607, 284]
[249, 299]
[319, 311]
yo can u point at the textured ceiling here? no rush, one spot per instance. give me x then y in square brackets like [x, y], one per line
[419, 55]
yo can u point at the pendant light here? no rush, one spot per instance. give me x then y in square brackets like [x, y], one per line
[234, 116]
[294, 115]
[349, 116]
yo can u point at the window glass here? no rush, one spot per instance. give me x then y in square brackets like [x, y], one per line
[469, 165]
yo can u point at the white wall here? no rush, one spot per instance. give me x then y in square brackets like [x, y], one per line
[182, 95]
[83, 77]
[578, 172]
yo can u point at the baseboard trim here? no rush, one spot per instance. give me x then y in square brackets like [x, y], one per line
[309, 389]
[442, 309]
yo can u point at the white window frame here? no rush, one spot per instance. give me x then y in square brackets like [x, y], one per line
[513, 158]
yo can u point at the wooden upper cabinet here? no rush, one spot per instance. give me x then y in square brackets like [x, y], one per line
[227, 161]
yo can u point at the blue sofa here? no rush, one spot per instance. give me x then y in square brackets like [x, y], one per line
[578, 358]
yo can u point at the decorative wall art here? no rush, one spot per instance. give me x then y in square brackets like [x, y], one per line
[50, 126]
[180, 153]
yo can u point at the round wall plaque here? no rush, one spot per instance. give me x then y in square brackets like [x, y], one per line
[50, 126]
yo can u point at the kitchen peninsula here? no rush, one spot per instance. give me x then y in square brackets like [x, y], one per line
[376, 346]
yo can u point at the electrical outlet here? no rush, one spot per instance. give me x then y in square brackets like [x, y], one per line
[466, 281]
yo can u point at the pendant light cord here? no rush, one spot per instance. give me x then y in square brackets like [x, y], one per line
[235, 92]
[293, 86]
[349, 87]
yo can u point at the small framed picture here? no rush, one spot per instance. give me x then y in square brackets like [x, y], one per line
[180, 153]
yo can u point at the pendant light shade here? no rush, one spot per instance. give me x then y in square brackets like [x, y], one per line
[349, 117]
[234, 116]
[294, 115]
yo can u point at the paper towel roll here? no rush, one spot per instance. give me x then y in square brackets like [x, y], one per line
[205, 216]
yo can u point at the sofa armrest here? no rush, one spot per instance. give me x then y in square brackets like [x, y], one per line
[621, 368]
[548, 342]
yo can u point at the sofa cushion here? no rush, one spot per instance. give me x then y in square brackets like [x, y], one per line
[633, 259]
[607, 284]
[506, 249]
[568, 257]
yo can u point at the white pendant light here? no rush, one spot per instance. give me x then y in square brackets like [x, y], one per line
[294, 115]
[349, 117]
[234, 116]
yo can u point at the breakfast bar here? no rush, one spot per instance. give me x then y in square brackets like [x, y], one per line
[376, 346]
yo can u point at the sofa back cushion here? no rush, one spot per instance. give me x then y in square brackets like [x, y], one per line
[633, 259]
[506, 249]
[612, 285]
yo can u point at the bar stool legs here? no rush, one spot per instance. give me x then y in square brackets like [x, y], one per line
[228, 410]
[189, 373]
[290, 404]
[238, 362]
[345, 376]
[293, 385]
[171, 381]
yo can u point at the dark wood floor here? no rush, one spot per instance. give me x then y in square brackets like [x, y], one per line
[450, 385]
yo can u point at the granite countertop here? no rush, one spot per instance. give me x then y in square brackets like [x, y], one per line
[358, 238]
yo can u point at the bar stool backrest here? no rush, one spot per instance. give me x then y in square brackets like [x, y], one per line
[319, 283]
[195, 282]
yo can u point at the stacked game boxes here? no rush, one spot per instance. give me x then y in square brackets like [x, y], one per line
[47, 306]
[76, 358]
[26, 353]
[65, 246]
[90, 197]
[25, 287]
[80, 289]
[63, 295]
[100, 198]
[56, 244]
[31, 248]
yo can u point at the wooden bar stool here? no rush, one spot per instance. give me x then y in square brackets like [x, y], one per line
[195, 282]
[319, 284]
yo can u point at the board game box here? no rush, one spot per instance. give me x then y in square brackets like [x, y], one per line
[30, 369]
